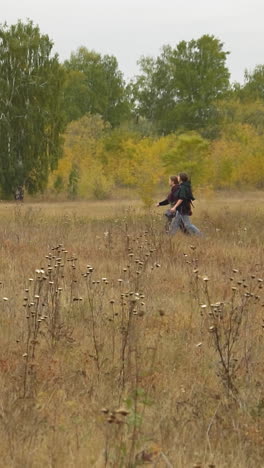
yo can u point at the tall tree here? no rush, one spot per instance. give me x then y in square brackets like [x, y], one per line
[31, 116]
[253, 87]
[245, 102]
[95, 85]
[178, 89]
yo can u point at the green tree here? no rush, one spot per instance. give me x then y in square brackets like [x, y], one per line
[239, 111]
[95, 85]
[31, 116]
[253, 88]
[75, 95]
[244, 103]
[177, 91]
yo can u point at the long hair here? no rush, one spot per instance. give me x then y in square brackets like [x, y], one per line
[174, 179]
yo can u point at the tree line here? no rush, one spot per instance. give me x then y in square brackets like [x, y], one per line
[79, 126]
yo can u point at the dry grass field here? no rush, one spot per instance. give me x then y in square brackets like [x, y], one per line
[121, 346]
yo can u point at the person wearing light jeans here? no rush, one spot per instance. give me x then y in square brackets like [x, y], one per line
[183, 207]
[171, 199]
[180, 220]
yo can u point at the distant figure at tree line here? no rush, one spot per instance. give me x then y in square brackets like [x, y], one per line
[19, 193]
[183, 207]
[171, 199]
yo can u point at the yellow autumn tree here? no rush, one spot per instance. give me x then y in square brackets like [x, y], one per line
[80, 171]
[237, 157]
[136, 161]
[189, 153]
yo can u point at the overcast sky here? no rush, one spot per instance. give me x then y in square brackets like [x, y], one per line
[129, 29]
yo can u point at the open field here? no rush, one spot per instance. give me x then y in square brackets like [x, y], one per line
[121, 346]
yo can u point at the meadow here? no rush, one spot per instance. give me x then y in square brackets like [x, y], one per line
[121, 346]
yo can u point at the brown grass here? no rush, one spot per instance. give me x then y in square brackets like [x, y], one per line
[90, 352]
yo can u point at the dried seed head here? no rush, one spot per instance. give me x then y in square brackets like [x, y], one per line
[216, 305]
[122, 411]
[134, 299]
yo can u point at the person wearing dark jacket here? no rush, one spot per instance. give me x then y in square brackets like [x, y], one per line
[182, 207]
[171, 200]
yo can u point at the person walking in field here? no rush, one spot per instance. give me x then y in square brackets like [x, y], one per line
[171, 199]
[182, 207]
